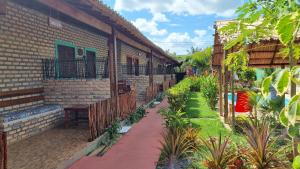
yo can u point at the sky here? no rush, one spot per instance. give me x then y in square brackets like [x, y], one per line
[176, 25]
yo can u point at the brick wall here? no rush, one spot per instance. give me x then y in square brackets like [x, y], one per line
[26, 39]
[125, 51]
[30, 126]
[68, 92]
[141, 83]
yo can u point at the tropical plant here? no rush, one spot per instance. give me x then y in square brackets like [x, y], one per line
[178, 143]
[261, 153]
[173, 119]
[217, 153]
[209, 88]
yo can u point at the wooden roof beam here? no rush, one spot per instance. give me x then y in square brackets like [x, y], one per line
[81, 16]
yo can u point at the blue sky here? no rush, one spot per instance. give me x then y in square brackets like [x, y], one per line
[176, 25]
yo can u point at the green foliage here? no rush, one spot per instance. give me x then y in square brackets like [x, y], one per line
[160, 97]
[261, 153]
[287, 27]
[113, 130]
[296, 162]
[237, 60]
[173, 119]
[178, 95]
[209, 89]
[195, 83]
[177, 144]
[200, 59]
[218, 154]
[248, 74]
[136, 116]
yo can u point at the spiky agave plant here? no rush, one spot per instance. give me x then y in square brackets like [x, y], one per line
[217, 154]
[261, 153]
[177, 144]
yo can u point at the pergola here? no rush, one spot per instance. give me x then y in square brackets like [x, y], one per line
[265, 54]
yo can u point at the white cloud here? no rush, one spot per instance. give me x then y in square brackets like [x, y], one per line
[223, 8]
[181, 42]
[149, 26]
[159, 17]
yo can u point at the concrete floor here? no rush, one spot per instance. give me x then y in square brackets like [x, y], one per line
[48, 149]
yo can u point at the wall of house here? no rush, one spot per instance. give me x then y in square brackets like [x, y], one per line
[70, 92]
[159, 79]
[26, 38]
[141, 81]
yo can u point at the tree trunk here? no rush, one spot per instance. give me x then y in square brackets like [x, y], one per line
[292, 63]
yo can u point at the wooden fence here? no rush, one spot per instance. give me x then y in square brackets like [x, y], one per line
[3, 150]
[102, 114]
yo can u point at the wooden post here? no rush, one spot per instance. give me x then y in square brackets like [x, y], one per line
[225, 89]
[151, 74]
[113, 67]
[220, 91]
[232, 101]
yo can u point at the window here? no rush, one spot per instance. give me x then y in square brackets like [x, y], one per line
[129, 66]
[90, 63]
[65, 54]
[133, 67]
[137, 67]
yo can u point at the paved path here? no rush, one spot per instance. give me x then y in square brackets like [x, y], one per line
[138, 149]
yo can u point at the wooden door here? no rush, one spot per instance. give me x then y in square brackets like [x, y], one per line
[90, 64]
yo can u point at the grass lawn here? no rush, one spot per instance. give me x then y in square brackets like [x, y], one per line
[202, 116]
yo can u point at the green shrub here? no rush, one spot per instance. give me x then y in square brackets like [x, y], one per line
[179, 94]
[135, 117]
[209, 89]
[113, 130]
[195, 84]
[173, 119]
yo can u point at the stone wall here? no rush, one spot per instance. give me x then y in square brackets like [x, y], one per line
[68, 92]
[26, 38]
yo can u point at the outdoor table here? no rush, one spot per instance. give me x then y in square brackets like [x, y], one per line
[74, 109]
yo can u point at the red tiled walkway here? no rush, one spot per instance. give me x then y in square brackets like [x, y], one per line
[138, 149]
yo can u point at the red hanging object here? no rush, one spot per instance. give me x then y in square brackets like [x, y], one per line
[242, 103]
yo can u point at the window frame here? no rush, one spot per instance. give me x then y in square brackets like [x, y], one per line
[59, 42]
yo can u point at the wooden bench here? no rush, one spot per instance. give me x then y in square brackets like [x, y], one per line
[22, 124]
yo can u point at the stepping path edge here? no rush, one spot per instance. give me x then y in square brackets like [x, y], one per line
[137, 149]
